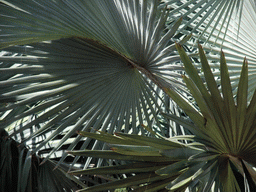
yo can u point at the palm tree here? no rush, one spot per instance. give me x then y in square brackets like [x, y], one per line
[104, 65]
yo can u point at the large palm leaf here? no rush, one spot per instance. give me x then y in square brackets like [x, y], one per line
[219, 156]
[239, 42]
[205, 18]
[70, 66]
[220, 24]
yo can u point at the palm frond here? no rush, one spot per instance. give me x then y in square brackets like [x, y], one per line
[20, 171]
[226, 126]
[214, 160]
[239, 42]
[71, 66]
[204, 18]
[126, 147]
[220, 25]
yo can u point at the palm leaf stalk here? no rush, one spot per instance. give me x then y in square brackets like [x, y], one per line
[68, 66]
[220, 152]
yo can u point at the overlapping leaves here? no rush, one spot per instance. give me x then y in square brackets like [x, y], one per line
[145, 156]
[21, 172]
[120, 58]
[220, 24]
[226, 125]
[220, 153]
[70, 66]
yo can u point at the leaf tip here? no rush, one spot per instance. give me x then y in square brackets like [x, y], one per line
[56, 167]
[113, 149]
[245, 62]
[178, 46]
[78, 132]
[199, 45]
[70, 153]
[42, 162]
[222, 53]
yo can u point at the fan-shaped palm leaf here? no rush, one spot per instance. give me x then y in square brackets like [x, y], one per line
[204, 18]
[239, 42]
[85, 64]
[221, 151]
[220, 24]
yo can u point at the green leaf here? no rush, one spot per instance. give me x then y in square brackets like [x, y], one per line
[154, 186]
[250, 114]
[114, 155]
[251, 170]
[204, 156]
[121, 169]
[130, 181]
[203, 98]
[184, 178]
[76, 65]
[242, 103]
[135, 150]
[187, 107]
[211, 83]
[251, 183]
[197, 95]
[108, 138]
[25, 172]
[212, 178]
[153, 142]
[181, 153]
[193, 73]
[230, 108]
[217, 104]
[151, 131]
[185, 122]
[174, 169]
[209, 165]
[228, 180]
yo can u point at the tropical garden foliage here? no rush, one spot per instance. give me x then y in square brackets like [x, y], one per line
[152, 112]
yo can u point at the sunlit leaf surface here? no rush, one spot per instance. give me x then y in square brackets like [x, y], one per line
[220, 24]
[220, 158]
[69, 66]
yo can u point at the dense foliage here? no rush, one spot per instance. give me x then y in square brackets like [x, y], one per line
[181, 121]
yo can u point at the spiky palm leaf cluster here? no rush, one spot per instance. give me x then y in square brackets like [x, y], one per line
[221, 150]
[224, 125]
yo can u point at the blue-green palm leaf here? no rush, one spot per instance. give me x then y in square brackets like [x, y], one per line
[220, 24]
[203, 17]
[239, 42]
[218, 157]
[71, 66]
